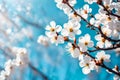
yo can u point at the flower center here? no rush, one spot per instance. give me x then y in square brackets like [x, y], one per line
[105, 33]
[71, 29]
[81, 52]
[52, 29]
[87, 64]
[103, 40]
[102, 59]
[107, 7]
[85, 11]
[75, 15]
[108, 19]
[55, 37]
[86, 43]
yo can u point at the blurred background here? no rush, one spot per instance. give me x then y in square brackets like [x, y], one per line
[21, 23]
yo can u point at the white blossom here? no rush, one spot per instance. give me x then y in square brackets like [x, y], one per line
[85, 42]
[102, 42]
[75, 17]
[116, 77]
[65, 7]
[90, 1]
[43, 40]
[79, 48]
[71, 29]
[52, 29]
[87, 65]
[106, 31]
[85, 11]
[11, 64]
[73, 51]
[57, 39]
[101, 56]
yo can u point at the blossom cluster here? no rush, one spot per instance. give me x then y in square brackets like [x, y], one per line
[106, 23]
[10, 65]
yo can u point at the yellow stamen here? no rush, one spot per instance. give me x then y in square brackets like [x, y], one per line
[85, 11]
[103, 40]
[52, 29]
[86, 43]
[71, 29]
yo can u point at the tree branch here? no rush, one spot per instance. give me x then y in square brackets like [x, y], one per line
[110, 48]
[103, 35]
[37, 71]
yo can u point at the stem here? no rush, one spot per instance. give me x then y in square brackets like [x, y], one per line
[110, 48]
[103, 35]
[104, 66]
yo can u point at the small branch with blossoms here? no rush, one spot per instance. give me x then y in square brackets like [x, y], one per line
[21, 60]
[39, 72]
[105, 22]
[10, 65]
[107, 8]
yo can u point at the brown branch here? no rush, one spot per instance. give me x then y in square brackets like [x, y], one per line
[39, 72]
[110, 48]
[103, 65]
[30, 22]
[75, 12]
[103, 35]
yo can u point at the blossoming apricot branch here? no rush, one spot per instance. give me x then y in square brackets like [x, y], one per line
[105, 23]
[89, 24]
[11, 64]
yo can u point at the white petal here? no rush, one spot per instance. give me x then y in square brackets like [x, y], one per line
[90, 44]
[81, 57]
[47, 33]
[92, 65]
[86, 70]
[107, 58]
[98, 37]
[107, 44]
[87, 59]
[59, 28]
[87, 37]
[72, 36]
[76, 52]
[47, 27]
[64, 32]
[86, 6]
[60, 39]
[100, 44]
[83, 48]
[78, 32]
[116, 77]
[92, 20]
[90, 10]
[82, 64]
[85, 16]
[52, 23]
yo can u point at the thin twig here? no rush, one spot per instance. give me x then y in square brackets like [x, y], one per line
[38, 71]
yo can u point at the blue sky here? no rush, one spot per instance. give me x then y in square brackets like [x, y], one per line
[54, 62]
